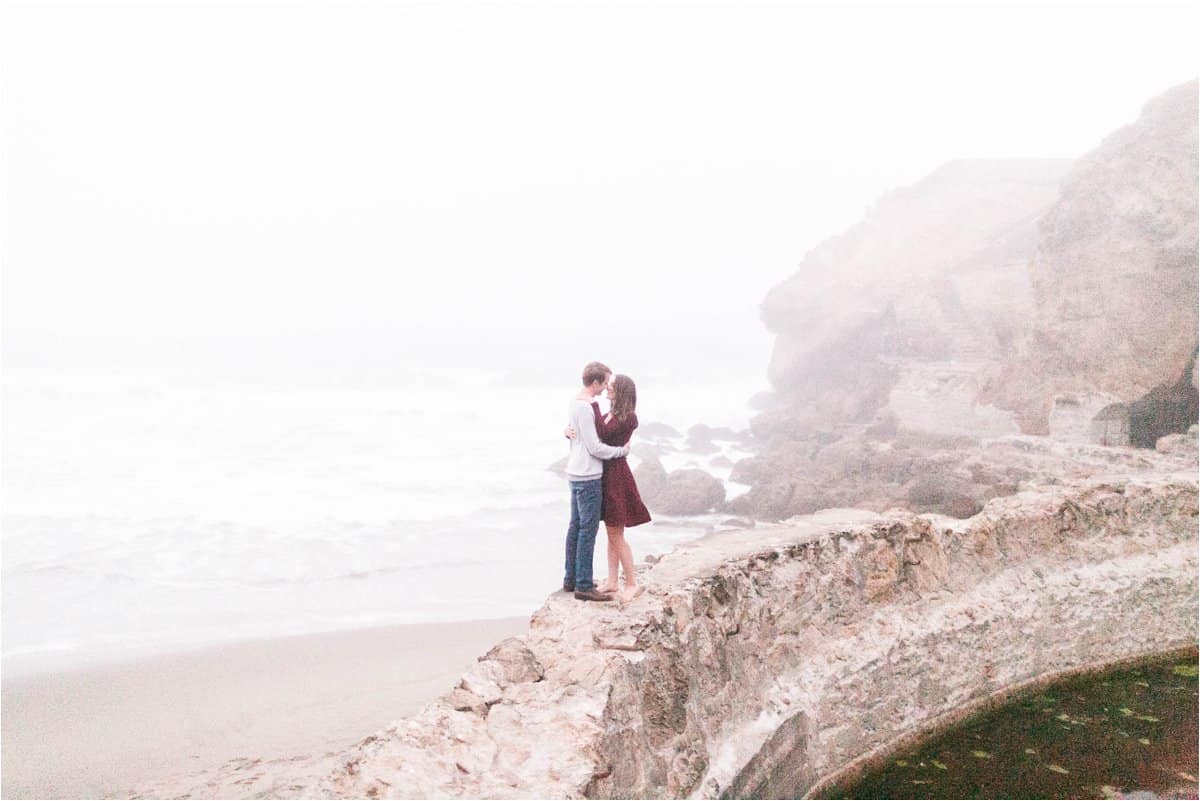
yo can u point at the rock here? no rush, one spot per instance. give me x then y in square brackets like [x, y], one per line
[466, 701]
[721, 461]
[656, 430]
[909, 285]
[1181, 444]
[741, 505]
[684, 492]
[769, 501]
[881, 570]
[1134, 195]
[750, 470]
[516, 660]
[762, 401]
[944, 494]
[701, 438]
[559, 468]
[484, 680]
[884, 427]
[738, 522]
[893, 350]
[651, 477]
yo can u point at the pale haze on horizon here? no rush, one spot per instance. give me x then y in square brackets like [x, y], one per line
[208, 183]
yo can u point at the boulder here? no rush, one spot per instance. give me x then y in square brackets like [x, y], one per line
[684, 492]
[761, 401]
[1182, 444]
[651, 477]
[656, 430]
[944, 494]
[517, 662]
[748, 471]
[766, 501]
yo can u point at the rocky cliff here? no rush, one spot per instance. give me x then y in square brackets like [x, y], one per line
[936, 272]
[882, 337]
[1114, 275]
[763, 663]
[989, 298]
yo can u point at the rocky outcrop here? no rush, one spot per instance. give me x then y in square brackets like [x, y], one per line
[984, 301]
[936, 272]
[765, 662]
[1178, 443]
[954, 476]
[1114, 275]
[679, 492]
[688, 492]
[657, 431]
[776, 660]
[887, 330]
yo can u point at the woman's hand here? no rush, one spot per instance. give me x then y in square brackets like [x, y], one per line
[569, 432]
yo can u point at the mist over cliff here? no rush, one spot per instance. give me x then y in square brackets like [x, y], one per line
[1115, 273]
[989, 299]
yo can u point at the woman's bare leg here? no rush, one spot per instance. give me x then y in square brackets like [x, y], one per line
[632, 590]
[611, 584]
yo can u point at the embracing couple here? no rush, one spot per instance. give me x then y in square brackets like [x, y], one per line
[602, 485]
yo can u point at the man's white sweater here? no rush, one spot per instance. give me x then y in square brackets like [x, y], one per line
[585, 461]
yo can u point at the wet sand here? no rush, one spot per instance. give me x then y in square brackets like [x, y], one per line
[108, 731]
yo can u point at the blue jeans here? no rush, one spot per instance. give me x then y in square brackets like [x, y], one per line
[586, 497]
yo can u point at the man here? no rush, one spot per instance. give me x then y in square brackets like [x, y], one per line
[584, 471]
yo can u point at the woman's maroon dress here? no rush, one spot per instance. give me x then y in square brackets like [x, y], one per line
[622, 504]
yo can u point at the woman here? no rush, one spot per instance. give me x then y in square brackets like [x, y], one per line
[623, 507]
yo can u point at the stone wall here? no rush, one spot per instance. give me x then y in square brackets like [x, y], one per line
[761, 664]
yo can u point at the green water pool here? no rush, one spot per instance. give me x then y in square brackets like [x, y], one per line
[1129, 733]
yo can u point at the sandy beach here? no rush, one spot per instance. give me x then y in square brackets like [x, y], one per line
[109, 731]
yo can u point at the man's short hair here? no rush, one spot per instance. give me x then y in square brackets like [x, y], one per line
[595, 371]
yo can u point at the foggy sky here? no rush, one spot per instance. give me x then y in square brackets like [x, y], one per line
[214, 180]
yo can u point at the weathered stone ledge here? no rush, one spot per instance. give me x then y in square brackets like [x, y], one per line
[764, 663]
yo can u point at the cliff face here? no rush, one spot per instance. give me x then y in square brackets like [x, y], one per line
[936, 272]
[881, 338]
[990, 298]
[1114, 275]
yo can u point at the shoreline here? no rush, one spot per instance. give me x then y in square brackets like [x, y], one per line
[107, 730]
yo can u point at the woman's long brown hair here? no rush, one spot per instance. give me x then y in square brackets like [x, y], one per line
[624, 402]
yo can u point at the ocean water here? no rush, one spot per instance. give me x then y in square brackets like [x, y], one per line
[144, 515]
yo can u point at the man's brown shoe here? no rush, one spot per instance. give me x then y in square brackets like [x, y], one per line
[591, 595]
